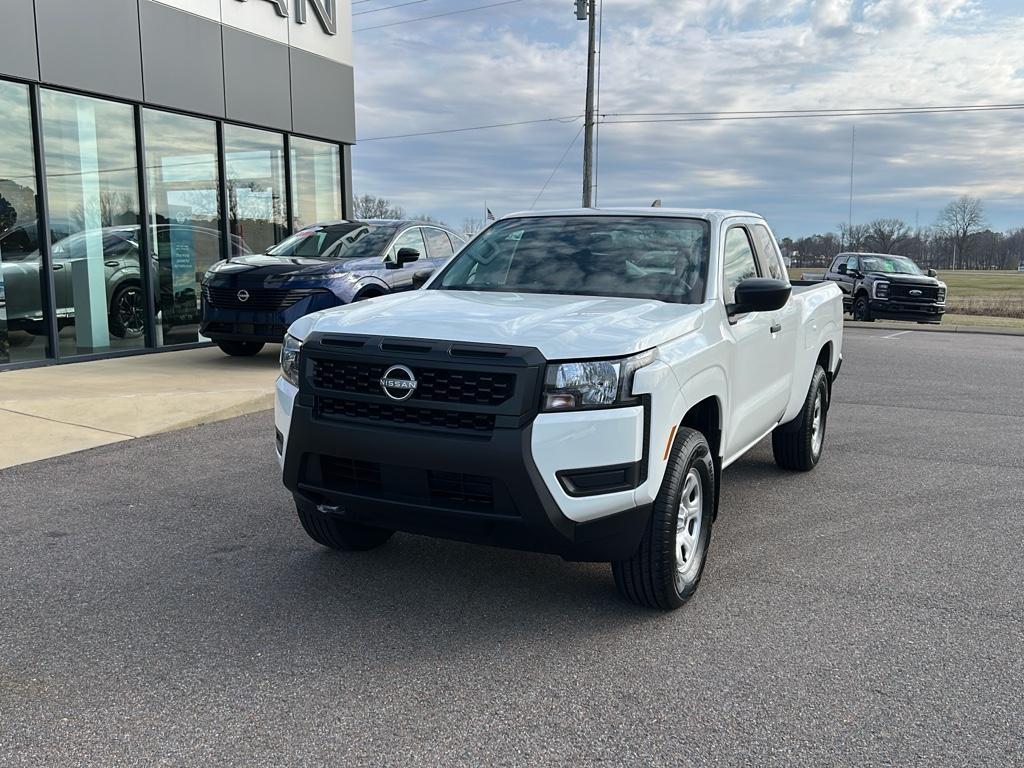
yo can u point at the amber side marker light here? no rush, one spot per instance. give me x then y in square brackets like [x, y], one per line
[668, 445]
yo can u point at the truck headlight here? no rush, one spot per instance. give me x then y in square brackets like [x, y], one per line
[580, 385]
[940, 297]
[882, 289]
[290, 359]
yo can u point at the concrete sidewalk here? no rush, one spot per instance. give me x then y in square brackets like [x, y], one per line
[60, 409]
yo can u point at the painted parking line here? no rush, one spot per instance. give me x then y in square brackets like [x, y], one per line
[896, 335]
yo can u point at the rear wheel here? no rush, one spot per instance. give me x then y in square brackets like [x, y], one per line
[798, 444]
[862, 309]
[240, 348]
[128, 312]
[665, 571]
[339, 534]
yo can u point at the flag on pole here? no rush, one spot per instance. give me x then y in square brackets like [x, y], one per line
[490, 216]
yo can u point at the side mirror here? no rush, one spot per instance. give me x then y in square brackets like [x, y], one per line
[841, 269]
[760, 294]
[403, 257]
[932, 273]
[420, 278]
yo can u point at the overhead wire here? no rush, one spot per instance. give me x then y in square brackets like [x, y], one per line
[439, 15]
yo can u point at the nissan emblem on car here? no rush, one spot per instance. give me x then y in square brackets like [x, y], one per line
[398, 382]
[243, 295]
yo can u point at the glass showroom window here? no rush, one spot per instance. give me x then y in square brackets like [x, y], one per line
[22, 326]
[184, 217]
[92, 185]
[316, 182]
[254, 164]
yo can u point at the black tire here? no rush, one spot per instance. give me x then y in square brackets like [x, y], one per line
[862, 309]
[240, 348]
[127, 313]
[339, 534]
[367, 295]
[653, 577]
[795, 444]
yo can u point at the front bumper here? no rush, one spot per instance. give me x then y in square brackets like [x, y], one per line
[269, 326]
[900, 310]
[518, 486]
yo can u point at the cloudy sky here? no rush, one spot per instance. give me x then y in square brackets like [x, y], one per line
[526, 61]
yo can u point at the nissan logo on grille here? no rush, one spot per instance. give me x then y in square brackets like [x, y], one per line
[398, 382]
[916, 292]
[243, 295]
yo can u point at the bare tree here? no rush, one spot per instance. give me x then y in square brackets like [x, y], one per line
[371, 207]
[471, 226]
[854, 238]
[960, 221]
[886, 235]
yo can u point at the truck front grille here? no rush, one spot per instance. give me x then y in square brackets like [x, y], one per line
[340, 408]
[438, 385]
[928, 293]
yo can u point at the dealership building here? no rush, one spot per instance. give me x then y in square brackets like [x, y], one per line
[188, 130]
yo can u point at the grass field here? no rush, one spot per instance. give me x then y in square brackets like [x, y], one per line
[975, 293]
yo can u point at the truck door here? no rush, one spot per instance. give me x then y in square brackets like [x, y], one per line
[758, 391]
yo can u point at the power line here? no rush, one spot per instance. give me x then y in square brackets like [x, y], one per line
[565, 119]
[777, 114]
[727, 116]
[559, 165]
[438, 15]
[389, 7]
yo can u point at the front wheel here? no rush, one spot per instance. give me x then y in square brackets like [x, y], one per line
[798, 444]
[240, 348]
[340, 534]
[862, 309]
[665, 571]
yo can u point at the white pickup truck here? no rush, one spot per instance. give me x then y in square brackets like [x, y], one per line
[571, 382]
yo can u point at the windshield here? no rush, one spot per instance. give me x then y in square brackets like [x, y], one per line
[893, 265]
[644, 257]
[351, 240]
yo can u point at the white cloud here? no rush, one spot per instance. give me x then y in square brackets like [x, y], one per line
[678, 57]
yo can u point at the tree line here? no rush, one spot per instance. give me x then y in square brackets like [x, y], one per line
[959, 239]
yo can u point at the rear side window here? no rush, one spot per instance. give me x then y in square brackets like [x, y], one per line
[768, 251]
[739, 263]
[438, 244]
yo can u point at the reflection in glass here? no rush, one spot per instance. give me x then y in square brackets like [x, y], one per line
[92, 184]
[184, 217]
[22, 330]
[254, 163]
[316, 182]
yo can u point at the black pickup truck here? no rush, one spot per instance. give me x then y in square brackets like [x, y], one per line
[886, 287]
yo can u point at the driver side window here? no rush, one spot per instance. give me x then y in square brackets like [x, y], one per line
[411, 238]
[738, 262]
[852, 264]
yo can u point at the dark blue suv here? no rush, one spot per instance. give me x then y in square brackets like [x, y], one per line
[248, 301]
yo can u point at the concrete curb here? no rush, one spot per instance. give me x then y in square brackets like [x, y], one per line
[977, 329]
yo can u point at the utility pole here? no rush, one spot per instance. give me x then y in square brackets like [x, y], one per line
[586, 10]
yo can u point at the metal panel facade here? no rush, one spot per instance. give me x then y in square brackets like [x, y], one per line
[182, 60]
[313, 111]
[18, 52]
[280, 65]
[92, 46]
[257, 86]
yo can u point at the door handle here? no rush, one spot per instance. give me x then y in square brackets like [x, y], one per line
[57, 266]
[776, 328]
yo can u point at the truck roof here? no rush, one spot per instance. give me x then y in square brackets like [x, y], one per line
[710, 214]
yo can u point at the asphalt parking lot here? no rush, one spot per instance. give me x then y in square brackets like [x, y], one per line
[160, 605]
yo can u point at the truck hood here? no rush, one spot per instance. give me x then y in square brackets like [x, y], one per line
[903, 279]
[561, 327]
